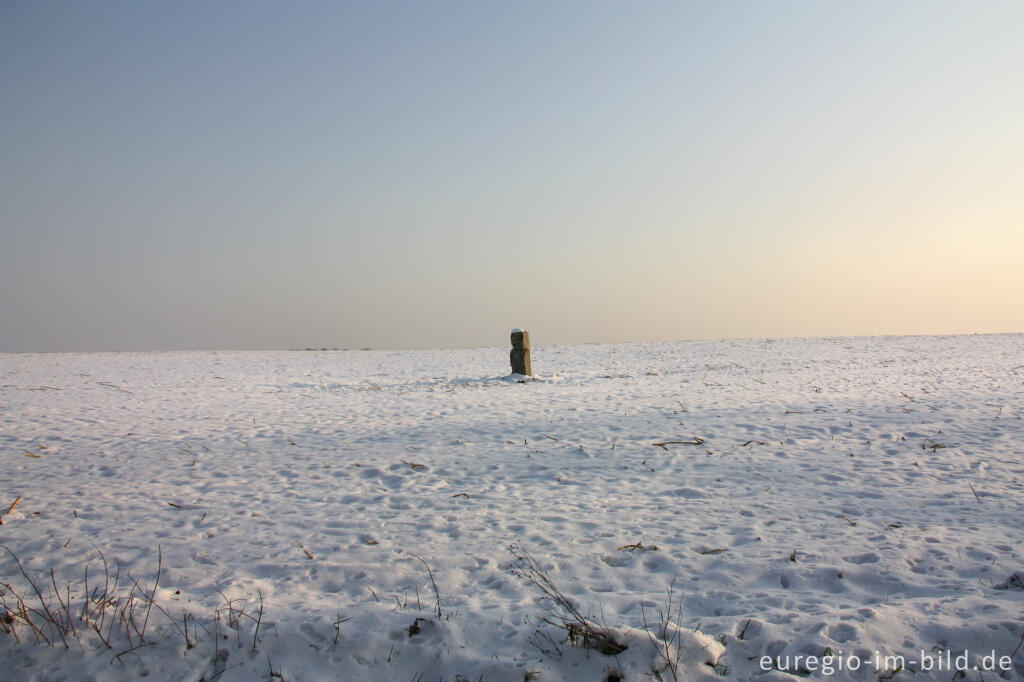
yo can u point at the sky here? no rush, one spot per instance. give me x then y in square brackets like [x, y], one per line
[269, 175]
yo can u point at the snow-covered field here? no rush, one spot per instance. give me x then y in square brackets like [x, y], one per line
[861, 498]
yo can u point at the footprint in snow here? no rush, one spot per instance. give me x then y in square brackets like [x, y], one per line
[866, 558]
[844, 632]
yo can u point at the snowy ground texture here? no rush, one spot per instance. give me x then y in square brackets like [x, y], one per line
[859, 498]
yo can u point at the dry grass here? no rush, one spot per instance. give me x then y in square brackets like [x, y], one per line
[665, 637]
[580, 630]
[114, 611]
[430, 574]
[697, 440]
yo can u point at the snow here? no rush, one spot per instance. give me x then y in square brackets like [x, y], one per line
[860, 497]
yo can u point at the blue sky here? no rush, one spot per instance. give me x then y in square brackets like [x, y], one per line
[403, 175]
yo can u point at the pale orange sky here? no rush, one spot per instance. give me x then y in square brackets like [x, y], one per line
[249, 175]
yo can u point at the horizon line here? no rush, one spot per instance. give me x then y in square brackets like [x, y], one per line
[337, 349]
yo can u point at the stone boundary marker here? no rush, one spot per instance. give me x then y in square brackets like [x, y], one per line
[520, 355]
